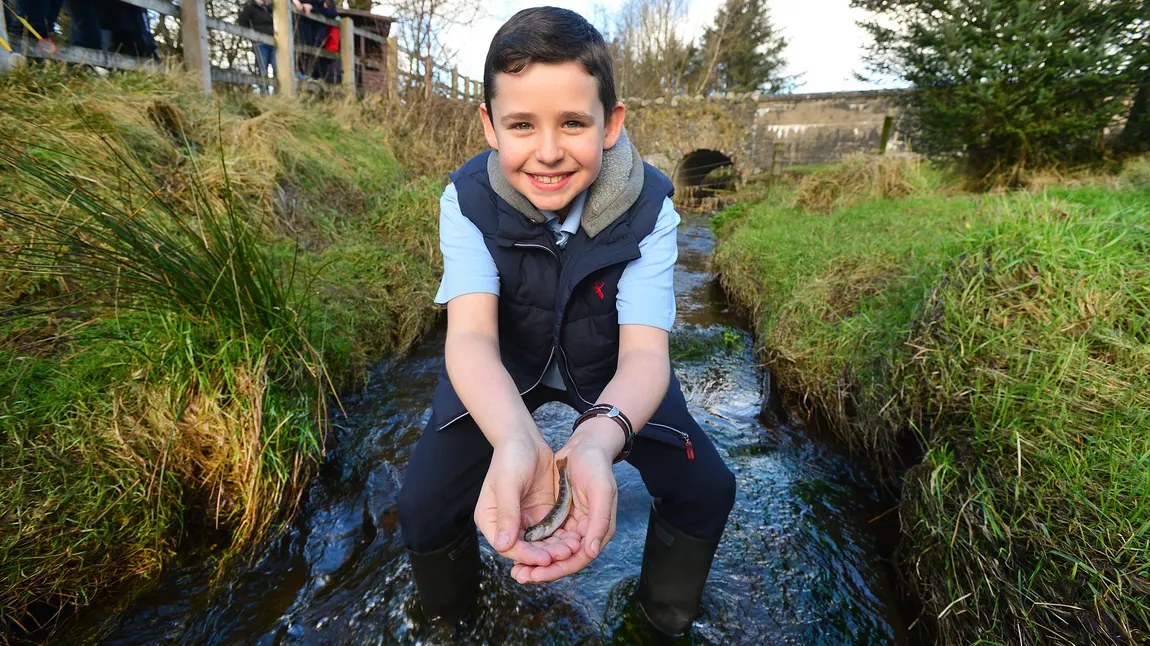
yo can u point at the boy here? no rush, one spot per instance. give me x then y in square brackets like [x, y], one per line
[559, 247]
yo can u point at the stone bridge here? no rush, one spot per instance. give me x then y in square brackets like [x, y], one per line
[689, 137]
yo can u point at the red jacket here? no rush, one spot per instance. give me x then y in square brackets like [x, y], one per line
[331, 43]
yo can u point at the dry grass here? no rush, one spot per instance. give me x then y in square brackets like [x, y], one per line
[860, 178]
[429, 136]
[128, 426]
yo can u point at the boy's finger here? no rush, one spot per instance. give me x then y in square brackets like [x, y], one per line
[507, 514]
[556, 570]
[601, 500]
[528, 554]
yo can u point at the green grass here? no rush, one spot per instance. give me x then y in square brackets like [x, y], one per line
[183, 286]
[1007, 337]
[807, 169]
[695, 343]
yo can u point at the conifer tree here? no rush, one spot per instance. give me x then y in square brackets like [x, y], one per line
[741, 52]
[1005, 85]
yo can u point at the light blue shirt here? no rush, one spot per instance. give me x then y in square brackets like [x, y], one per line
[646, 290]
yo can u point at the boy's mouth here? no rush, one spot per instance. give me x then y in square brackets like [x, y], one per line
[549, 182]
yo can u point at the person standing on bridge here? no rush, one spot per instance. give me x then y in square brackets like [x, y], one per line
[559, 248]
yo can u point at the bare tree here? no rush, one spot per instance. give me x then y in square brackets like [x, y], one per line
[650, 57]
[711, 52]
[422, 23]
[741, 51]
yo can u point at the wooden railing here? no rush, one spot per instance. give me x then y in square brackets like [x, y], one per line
[194, 26]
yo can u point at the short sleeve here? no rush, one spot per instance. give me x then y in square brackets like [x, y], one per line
[467, 264]
[647, 286]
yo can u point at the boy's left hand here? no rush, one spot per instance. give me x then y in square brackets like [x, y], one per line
[594, 499]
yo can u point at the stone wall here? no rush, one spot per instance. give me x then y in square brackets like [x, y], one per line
[815, 128]
[822, 128]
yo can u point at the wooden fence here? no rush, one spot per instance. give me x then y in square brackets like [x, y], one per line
[194, 26]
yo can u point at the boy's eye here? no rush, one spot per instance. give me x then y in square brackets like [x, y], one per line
[522, 125]
[573, 124]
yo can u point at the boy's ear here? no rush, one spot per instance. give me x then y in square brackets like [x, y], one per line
[614, 126]
[488, 127]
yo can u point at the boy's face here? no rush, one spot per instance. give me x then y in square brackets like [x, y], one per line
[549, 128]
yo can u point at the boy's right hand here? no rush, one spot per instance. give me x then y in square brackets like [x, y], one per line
[518, 491]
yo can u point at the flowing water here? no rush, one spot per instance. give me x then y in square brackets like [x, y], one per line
[801, 561]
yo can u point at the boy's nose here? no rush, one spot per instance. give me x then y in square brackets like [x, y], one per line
[549, 151]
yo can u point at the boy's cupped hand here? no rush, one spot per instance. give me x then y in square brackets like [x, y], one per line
[591, 523]
[518, 492]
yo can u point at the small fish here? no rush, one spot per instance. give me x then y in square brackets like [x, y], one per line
[558, 515]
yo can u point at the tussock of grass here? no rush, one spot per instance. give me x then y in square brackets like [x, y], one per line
[1006, 336]
[1034, 495]
[183, 280]
[858, 178]
[1137, 171]
[832, 296]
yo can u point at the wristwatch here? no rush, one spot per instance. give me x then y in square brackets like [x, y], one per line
[614, 414]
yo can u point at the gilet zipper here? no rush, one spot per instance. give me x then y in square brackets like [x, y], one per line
[687, 446]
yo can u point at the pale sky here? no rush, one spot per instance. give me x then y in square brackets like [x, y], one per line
[825, 44]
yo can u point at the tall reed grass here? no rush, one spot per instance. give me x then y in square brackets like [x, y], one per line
[184, 282]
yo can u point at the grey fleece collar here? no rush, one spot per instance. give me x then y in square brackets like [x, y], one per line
[618, 186]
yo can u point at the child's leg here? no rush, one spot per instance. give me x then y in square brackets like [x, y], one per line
[441, 487]
[436, 504]
[437, 507]
[693, 495]
[693, 498]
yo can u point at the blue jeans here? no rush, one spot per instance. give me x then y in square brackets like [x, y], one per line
[265, 55]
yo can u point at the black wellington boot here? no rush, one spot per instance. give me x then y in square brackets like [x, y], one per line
[675, 567]
[447, 579]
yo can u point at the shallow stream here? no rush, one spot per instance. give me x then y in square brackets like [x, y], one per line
[801, 561]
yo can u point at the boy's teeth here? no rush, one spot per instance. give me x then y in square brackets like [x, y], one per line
[548, 180]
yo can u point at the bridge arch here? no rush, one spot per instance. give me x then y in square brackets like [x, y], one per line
[703, 170]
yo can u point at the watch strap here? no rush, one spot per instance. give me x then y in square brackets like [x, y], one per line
[613, 413]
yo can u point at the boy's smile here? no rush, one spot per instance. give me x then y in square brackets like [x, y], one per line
[549, 128]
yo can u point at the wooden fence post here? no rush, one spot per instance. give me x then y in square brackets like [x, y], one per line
[285, 50]
[194, 27]
[5, 63]
[347, 54]
[455, 83]
[393, 68]
[777, 159]
[428, 75]
[887, 126]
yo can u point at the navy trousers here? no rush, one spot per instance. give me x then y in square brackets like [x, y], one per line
[446, 471]
[40, 14]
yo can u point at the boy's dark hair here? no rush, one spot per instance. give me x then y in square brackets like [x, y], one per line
[549, 35]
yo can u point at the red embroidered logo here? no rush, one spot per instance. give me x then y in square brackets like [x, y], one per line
[599, 290]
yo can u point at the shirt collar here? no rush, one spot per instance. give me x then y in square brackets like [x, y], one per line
[570, 224]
